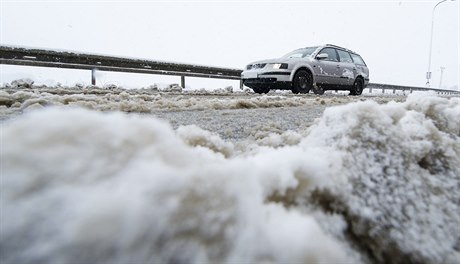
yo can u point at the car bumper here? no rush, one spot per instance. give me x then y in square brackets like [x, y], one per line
[279, 75]
[271, 83]
[267, 79]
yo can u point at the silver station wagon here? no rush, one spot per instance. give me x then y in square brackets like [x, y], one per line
[320, 68]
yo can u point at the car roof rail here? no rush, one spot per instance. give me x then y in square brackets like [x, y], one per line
[335, 46]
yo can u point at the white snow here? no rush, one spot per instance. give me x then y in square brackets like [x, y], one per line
[126, 189]
[83, 186]
[147, 100]
[402, 162]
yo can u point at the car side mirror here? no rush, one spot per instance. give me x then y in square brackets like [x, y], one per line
[322, 56]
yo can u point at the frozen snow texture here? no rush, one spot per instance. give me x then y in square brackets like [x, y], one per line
[153, 98]
[402, 162]
[22, 83]
[83, 186]
[195, 136]
[80, 186]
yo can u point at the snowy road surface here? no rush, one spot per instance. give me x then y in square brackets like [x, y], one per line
[234, 116]
[229, 178]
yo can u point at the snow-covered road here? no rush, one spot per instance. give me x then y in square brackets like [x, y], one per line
[232, 115]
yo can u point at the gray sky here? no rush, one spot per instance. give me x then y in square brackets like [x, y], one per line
[392, 36]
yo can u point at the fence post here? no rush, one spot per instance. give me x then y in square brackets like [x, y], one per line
[182, 81]
[93, 76]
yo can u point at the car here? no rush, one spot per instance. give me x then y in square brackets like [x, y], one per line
[319, 68]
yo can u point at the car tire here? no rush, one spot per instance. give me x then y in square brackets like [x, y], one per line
[302, 82]
[318, 90]
[358, 87]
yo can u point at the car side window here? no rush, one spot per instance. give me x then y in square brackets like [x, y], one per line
[357, 59]
[344, 56]
[331, 53]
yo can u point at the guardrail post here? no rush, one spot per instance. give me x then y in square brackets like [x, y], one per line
[182, 81]
[370, 90]
[93, 76]
[394, 90]
[383, 90]
[410, 90]
[241, 84]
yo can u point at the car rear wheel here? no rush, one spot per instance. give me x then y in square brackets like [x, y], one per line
[358, 87]
[302, 82]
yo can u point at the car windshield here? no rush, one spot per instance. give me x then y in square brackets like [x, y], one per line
[300, 53]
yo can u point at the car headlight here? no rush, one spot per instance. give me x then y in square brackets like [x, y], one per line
[277, 66]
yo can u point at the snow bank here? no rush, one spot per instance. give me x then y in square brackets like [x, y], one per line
[367, 182]
[148, 100]
[22, 83]
[92, 187]
[402, 162]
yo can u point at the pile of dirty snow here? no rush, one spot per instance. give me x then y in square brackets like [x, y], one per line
[15, 101]
[366, 183]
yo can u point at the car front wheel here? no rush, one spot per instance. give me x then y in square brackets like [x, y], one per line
[302, 82]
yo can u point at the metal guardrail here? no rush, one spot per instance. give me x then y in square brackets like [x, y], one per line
[72, 60]
[410, 89]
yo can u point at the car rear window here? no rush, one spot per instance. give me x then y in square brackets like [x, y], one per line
[357, 59]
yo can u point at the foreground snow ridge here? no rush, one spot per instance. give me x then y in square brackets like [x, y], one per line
[368, 183]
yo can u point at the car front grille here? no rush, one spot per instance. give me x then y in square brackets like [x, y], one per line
[256, 66]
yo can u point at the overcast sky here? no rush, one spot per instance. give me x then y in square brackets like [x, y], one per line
[392, 36]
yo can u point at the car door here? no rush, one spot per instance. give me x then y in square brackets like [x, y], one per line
[327, 70]
[347, 69]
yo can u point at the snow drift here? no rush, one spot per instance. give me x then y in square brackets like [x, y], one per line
[402, 165]
[368, 182]
[18, 99]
